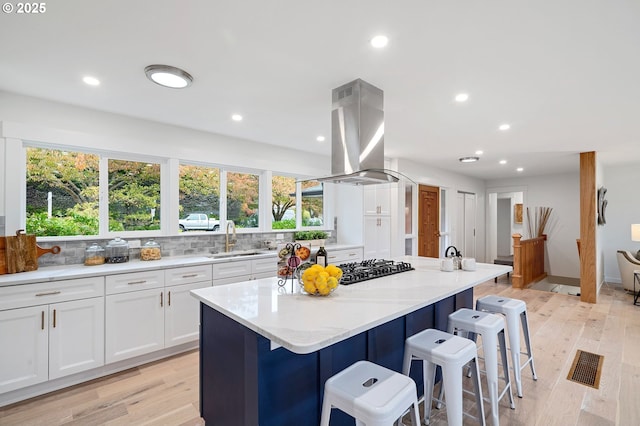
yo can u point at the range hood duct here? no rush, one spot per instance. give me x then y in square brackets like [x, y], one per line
[357, 135]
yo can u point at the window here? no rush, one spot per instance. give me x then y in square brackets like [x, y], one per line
[283, 202]
[62, 192]
[200, 193]
[134, 195]
[312, 203]
[242, 199]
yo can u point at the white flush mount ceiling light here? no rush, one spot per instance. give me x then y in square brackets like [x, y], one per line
[168, 76]
[519, 169]
[462, 97]
[320, 138]
[379, 41]
[504, 127]
[479, 152]
[468, 159]
[236, 117]
[91, 81]
[503, 161]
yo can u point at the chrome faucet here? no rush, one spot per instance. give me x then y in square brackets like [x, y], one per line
[229, 244]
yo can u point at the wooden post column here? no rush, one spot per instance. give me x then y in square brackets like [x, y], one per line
[516, 280]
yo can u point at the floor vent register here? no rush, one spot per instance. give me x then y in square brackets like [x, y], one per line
[586, 369]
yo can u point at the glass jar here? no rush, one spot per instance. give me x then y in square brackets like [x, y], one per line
[150, 251]
[94, 255]
[117, 251]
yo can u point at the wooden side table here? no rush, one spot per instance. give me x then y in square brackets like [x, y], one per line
[636, 279]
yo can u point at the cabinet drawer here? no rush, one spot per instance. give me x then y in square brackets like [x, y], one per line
[261, 266]
[122, 283]
[19, 296]
[231, 269]
[188, 274]
[337, 257]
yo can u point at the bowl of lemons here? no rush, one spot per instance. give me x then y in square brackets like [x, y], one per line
[318, 280]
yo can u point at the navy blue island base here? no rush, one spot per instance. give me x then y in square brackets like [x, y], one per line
[243, 382]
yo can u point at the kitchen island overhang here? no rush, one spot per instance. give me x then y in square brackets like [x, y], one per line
[265, 354]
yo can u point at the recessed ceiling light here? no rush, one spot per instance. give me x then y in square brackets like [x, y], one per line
[462, 97]
[168, 76]
[504, 127]
[468, 159]
[379, 41]
[519, 169]
[91, 81]
[320, 138]
[503, 161]
[236, 117]
[479, 152]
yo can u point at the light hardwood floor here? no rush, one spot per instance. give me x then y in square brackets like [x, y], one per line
[166, 392]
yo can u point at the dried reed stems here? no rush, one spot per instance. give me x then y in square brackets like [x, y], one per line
[542, 214]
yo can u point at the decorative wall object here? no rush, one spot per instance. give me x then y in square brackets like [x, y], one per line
[517, 213]
[602, 205]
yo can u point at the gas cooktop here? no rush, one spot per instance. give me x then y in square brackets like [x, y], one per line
[370, 269]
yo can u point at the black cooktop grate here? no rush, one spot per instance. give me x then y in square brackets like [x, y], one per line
[370, 269]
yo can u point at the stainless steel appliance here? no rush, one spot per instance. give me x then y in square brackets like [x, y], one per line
[370, 269]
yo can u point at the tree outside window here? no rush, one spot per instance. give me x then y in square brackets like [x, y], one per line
[312, 203]
[199, 191]
[134, 195]
[62, 192]
[283, 202]
[242, 199]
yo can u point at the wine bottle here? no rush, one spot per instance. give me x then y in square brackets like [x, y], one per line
[321, 257]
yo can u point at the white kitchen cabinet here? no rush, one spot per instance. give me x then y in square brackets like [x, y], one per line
[377, 237]
[182, 314]
[149, 311]
[337, 257]
[53, 338]
[134, 323]
[244, 270]
[24, 358]
[377, 199]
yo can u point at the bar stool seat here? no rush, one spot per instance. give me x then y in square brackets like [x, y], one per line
[512, 309]
[451, 353]
[372, 394]
[491, 328]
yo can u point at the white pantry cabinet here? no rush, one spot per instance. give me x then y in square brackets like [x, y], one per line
[377, 199]
[54, 329]
[377, 237]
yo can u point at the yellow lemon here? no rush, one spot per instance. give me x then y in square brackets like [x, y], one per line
[332, 282]
[309, 287]
[324, 291]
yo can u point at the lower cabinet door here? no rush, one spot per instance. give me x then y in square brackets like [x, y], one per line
[76, 336]
[182, 314]
[134, 324]
[24, 356]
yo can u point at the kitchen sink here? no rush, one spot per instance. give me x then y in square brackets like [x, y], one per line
[239, 253]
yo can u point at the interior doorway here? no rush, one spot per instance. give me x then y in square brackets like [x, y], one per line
[466, 224]
[502, 221]
[428, 221]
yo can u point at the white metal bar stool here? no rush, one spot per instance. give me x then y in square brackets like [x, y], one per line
[512, 309]
[491, 328]
[372, 394]
[451, 353]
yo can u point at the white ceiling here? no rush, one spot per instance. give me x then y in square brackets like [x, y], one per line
[564, 74]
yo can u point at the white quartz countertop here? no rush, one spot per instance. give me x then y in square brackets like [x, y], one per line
[304, 323]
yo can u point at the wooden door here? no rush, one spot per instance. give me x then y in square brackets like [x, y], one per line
[428, 221]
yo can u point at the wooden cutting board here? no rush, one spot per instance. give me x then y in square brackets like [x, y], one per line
[21, 253]
[3, 255]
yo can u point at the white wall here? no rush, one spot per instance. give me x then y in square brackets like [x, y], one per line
[39, 120]
[562, 193]
[453, 183]
[622, 210]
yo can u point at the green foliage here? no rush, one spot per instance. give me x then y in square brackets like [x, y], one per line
[284, 224]
[72, 224]
[310, 235]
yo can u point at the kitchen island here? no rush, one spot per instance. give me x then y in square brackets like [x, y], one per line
[265, 353]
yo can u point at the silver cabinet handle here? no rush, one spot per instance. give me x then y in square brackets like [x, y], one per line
[42, 321]
[54, 318]
[48, 293]
[189, 275]
[137, 282]
[169, 296]
[161, 296]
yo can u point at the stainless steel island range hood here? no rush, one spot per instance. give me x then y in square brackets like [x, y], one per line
[357, 135]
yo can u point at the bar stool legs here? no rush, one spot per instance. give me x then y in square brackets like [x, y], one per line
[514, 311]
[491, 328]
[451, 353]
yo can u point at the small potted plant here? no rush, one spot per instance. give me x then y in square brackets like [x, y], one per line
[314, 238]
